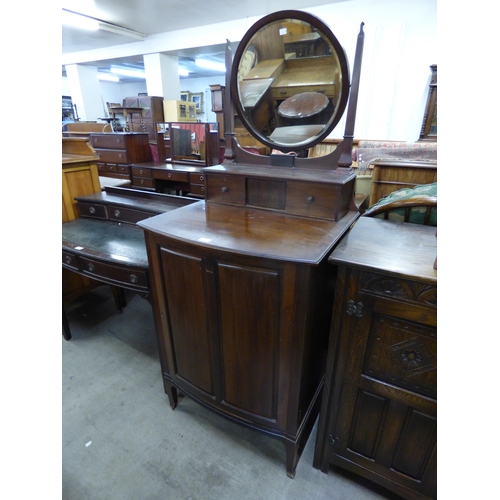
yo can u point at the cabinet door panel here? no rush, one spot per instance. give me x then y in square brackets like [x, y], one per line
[250, 306]
[188, 317]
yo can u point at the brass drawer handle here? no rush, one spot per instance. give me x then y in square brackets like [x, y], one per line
[141, 171]
[92, 210]
[68, 259]
[224, 189]
[169, 175]
[91, 267]
[118, 140]
[142, 181]
[310, 199]
[201, 177]
[117, 213]
[133, 278]
[120, 155]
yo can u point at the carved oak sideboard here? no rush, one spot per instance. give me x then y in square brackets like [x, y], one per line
[379, 410]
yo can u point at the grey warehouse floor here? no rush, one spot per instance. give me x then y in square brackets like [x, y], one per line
[121, 440]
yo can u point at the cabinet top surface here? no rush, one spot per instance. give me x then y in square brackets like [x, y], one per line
[169, 166]
[252, 232]
[397, 248]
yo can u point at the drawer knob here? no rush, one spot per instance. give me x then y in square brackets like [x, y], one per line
[203, 188]
[310, 199]
[224, 189]
[118, 140]
[120, 155]
[92, 210]
[141, 171]
[142, 181]
[133, 278]
[201, 177]
[117, 213]
[67, 259]
[169, 175]
[91, 267]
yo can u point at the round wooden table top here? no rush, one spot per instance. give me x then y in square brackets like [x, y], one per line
[303, 105]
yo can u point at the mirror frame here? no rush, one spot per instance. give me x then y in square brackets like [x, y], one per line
[344, 71]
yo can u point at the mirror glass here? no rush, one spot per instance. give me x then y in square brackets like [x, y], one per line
[290, 80]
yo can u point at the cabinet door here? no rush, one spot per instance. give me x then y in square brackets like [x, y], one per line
[387, 415]
[189, 350]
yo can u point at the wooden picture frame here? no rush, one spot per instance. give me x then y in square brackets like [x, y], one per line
[185, 95]
[428, 132]
[197, 98]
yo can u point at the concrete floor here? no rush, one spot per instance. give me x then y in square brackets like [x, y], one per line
[121, 440]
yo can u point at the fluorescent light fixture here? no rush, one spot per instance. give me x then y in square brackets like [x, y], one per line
[108, 78]
[91, 23]
[132, 73]
[203, 63]
[78, 21]
[183, 72]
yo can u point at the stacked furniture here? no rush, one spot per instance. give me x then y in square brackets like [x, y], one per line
[118, 150]
[152, 113]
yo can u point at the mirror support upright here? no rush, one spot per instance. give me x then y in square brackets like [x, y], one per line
[228, 108]
[345, 159]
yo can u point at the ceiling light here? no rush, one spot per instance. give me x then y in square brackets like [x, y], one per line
[183, 72]
[215, 66]
[91, 23]
[128, 72]
[108, 78]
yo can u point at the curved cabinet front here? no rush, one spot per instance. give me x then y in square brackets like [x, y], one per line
[245, 336]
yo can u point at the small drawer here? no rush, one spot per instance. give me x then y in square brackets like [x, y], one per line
[197, 189]
[93, 210]
[138, 181]
[132, 278]
[197, 178]
[141, 172]
[127, 215]
[123, 169]
[101, 167]
[172, 175]
[70, 261]
[108, 141]
[113, 156]
[314, 200]
[223, 188]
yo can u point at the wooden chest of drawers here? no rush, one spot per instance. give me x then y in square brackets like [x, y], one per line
[379, 411]
[117, 151]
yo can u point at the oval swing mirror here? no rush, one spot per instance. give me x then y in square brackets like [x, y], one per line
[290, 80]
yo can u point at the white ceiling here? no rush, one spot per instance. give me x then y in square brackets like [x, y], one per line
[159, 16]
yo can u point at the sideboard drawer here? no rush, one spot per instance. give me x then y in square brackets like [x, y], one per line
[172, 175]
[196, 178]
[70, 261]
[108, 141]
[130, 277]
[197, 189]
[138, 181]
[226, 189]
[121, 214]
[141, 172]
[93, 210]
[113, 155]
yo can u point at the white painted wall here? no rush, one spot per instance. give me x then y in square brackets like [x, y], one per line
[400, 45]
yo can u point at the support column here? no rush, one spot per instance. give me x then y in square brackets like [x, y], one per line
[85, 91]
[162, 76]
